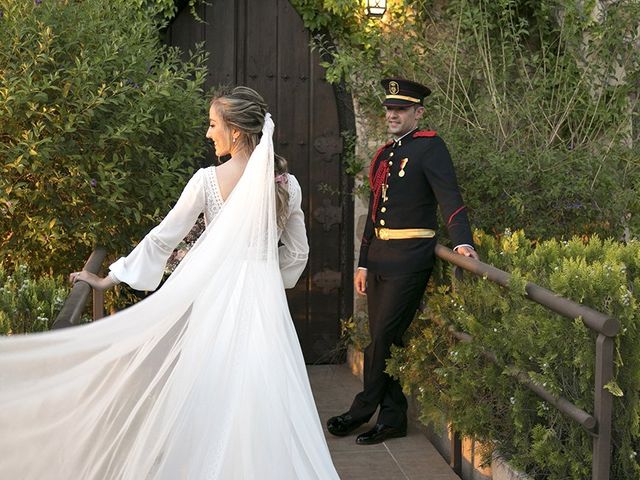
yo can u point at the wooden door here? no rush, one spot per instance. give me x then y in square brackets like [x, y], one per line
[263, 44]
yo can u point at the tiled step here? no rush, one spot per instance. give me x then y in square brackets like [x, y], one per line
[409, 458]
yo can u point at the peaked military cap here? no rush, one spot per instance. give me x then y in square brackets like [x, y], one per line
[403, 93]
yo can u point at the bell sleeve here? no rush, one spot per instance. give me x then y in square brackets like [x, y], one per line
[143, 268]
[294, 251]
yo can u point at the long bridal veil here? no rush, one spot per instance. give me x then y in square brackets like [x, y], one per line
[203, 379]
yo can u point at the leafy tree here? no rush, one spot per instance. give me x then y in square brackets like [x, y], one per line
[100, 127]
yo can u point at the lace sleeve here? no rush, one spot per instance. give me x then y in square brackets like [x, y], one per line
[294, 251]
[143, 268]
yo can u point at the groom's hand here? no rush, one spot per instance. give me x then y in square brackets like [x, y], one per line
[360, 281]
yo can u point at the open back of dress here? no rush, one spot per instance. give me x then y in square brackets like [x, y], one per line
[203, 380]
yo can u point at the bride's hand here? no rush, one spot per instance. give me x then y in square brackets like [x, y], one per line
[96, 282]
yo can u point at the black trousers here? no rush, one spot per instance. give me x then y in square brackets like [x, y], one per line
[393, 300]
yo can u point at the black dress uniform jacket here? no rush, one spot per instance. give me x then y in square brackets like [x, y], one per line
[420, 178]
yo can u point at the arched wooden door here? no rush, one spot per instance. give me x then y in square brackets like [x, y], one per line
[264, 44]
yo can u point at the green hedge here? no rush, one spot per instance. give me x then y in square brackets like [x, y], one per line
[29, 304]
[453, 380]
[100, 128]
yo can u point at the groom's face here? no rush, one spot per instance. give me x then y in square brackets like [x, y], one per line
[401, 120]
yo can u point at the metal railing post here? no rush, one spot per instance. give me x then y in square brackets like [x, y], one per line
[98, 304]
[73, 307]
[455, 459]
[603, 408]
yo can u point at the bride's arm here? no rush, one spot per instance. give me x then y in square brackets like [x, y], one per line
[294, 251]
[143, 268]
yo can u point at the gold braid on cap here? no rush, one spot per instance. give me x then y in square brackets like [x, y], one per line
[402, 97]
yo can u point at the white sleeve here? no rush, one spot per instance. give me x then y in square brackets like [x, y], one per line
[294, 251]
[143, 268]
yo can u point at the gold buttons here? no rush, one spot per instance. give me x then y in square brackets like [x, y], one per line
[390, 163]
[391, 154]
[381, 222]
[383, 209]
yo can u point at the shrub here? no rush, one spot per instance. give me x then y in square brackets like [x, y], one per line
[453, 380]
[29, 304]
[355, 331]
[100, 127]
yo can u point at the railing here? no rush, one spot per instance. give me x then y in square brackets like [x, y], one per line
[75, 303]
[599, 424]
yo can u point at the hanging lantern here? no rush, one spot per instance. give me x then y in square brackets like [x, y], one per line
[376, 8]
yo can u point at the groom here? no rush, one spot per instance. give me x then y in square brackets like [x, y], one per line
[410, 176]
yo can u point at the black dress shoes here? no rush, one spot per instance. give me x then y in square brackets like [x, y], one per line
[343, 425]
[380, 433]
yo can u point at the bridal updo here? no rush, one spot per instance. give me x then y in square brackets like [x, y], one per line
[244, 109]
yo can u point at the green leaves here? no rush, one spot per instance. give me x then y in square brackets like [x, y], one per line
[100, 128]
[614, 389]
[29, 304]
[483, 401]
[537, 101]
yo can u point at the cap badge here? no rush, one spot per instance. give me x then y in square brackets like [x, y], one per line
[394, 88]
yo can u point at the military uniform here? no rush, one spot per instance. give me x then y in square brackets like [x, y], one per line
[410, 177]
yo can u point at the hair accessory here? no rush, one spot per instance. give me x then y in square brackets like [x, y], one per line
[282, 178]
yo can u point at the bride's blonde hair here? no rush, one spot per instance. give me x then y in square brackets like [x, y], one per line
[244, 109]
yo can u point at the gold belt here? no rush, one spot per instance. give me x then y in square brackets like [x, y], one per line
[403, 233]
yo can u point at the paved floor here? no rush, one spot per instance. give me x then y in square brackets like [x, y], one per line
[409, 458]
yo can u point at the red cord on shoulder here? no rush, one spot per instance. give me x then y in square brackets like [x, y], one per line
[372, 166]
[425, 133]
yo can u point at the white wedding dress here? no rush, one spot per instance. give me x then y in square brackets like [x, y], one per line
[204, 379]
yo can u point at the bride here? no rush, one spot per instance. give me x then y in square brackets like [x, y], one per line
[202, 380]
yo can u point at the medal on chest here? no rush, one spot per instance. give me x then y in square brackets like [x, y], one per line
[403, 163]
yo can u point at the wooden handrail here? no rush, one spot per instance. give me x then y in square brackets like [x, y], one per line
[593, 319]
